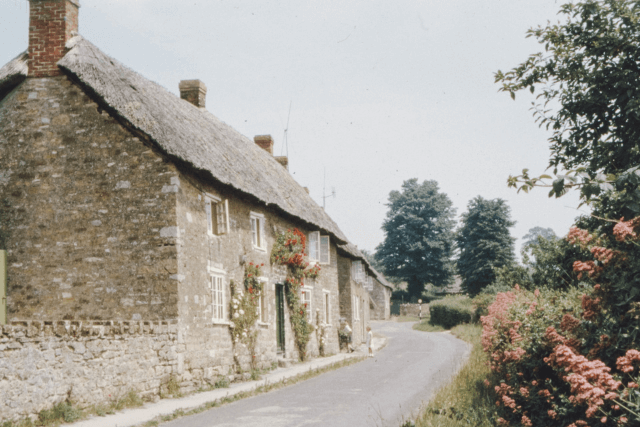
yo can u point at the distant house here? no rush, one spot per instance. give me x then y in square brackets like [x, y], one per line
[127, 214]
[380, 292]
[354, 297]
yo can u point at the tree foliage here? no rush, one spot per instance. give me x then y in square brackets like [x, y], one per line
[588, 85]
[418, 244]
[533, 233]
[484, 242]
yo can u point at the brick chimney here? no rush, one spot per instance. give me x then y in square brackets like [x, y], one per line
[193, 91]
[284, 161]
[51, 24]
[265, 142]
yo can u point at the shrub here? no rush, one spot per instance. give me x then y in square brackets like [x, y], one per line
[545, 365]
[481, 303]
[451, 311]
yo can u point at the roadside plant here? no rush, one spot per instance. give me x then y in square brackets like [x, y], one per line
[570, 357]
[289, 251]
[321, 333]
[244, 303]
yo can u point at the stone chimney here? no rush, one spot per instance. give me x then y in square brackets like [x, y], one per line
[284, 161]
[193, 91]
[51, 24]
[265, 142]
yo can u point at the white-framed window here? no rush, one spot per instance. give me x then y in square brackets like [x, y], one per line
[369, 283]
[306, 299]
[216, 286]
[257, 231]
[313, 244]
[357, 271]
[263, 309]
[318, 248]
[217, 215]
[325, 252]
[326, 302]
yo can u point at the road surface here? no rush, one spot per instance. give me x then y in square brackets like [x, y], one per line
[381, 391]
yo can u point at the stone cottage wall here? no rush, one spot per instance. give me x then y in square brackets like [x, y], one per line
[209, 350]
[413, 310]
[349, 290]
[85, 212]
[44, 363]
[381, 296]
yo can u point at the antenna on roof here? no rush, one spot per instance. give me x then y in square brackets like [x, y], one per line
[285, 142]
[324, 188]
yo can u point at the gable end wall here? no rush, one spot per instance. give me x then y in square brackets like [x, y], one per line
[89, 227]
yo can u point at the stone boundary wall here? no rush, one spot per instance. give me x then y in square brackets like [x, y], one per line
[414, 310]
[43, 363]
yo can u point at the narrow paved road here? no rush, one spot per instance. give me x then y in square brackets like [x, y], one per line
[381, 391]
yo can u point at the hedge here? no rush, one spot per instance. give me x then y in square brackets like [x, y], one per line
[451, 311]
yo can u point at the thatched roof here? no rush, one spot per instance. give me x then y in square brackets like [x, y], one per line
[353, 252]
[383, 281]
[184, 132]
[13, 73]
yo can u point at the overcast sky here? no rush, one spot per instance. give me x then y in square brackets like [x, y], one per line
[380, 91]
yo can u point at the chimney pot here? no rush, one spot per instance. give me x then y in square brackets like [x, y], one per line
[265, 142]
[51, 24]
[193, 91]
[284, 161]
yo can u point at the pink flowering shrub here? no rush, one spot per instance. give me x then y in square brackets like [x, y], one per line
[571, 358]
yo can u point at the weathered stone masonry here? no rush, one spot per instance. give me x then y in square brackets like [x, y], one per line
[43, 363]
[88, 222]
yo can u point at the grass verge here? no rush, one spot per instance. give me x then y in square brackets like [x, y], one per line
[258, 390]
[465, 401]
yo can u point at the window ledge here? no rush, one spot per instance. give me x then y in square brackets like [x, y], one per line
[221, 322]
[263, 324]
[258, 248]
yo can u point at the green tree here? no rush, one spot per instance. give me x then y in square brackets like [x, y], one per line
[419, 238]
[588, 85]
[533, 233]
[484, 243]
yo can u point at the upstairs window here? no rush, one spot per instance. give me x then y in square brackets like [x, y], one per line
[257, 231]
[217, 215]
[313, 244]
[357, 271]
[318, 248]
[325, 252]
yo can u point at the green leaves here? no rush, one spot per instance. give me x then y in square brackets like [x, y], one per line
[588, 76]
[484, 242]
[418, 244]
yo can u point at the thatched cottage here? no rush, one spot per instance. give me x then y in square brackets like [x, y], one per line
[126, 214]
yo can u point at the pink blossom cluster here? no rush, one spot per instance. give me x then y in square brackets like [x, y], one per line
[624, 229]
[578, 236]
[590, 381]
[625, 363]
[590, 306]
[569, 323]
[586, 266]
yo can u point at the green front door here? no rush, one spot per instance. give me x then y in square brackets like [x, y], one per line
[280, 317]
